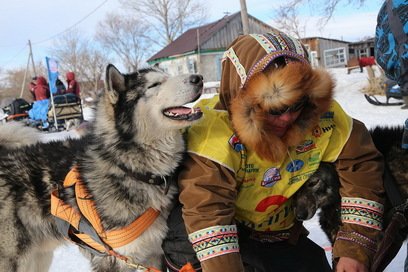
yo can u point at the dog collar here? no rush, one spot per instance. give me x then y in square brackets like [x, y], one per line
[149, 178]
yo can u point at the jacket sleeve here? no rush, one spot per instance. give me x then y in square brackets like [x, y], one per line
[360, 167]
[208, 193]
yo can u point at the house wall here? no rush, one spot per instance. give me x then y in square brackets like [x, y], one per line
[362, 49]
[318, 47]
[180, 65]
[208, 65]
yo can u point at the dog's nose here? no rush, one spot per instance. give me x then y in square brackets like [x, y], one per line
[196, 79]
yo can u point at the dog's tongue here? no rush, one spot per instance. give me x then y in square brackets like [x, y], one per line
[180, 110]
[183, 113]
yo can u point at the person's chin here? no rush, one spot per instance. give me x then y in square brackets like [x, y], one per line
[279, 131]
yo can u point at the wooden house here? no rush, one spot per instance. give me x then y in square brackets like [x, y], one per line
[200, 49]
[361, 49]
[327, 53]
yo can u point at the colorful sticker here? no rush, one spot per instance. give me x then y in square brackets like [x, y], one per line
[271, 176]
[294, 166]
[235, 143]
[327, 115]
[306, 146]
[317, 132]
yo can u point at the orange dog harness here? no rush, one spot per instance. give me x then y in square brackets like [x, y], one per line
[84, 227]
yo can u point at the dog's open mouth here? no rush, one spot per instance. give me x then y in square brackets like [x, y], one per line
[183, 113]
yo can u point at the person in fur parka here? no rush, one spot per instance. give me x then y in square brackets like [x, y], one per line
[273, 122]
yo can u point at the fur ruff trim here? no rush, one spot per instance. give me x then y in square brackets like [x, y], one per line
[274, 89]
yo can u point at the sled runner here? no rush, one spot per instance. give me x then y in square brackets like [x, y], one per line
[374, 101]
[392, 90]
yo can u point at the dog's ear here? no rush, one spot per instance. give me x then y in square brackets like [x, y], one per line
[114, 83]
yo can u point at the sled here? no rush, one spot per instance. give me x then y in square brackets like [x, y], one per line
[68, 112]
[374, 101]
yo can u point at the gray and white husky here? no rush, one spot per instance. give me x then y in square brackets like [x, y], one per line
[126, 162]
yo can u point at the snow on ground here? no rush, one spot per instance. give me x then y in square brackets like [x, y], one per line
[347, 93]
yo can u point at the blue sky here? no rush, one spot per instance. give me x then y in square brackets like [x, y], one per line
[43, 21]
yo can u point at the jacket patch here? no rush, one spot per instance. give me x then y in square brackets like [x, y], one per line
[276, 200]
[306, 146]
[327, 115]
[317, 132]
[235, 143]
[271, 176]
[314, 158]
[294, 166]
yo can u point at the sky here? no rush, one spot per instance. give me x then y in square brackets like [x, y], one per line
[347, 93]
[43, 21]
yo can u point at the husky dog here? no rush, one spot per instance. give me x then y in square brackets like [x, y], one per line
[25, 136]
[321, 190]
[125, 164]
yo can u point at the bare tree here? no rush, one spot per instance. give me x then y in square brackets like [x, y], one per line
[83, 57]
[126, 37]
[289, 21]
[287, 17]
[169, 18]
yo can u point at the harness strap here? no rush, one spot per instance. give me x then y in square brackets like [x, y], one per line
[84, 227]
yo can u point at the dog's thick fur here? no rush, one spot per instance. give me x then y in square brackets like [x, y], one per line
[322, 188]
[137, 129]
[10, 139]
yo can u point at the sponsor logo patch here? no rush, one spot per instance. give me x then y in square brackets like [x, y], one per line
[271, 176]
[294, 166]
[235, 143]
[317, 132]
[306, 146]
[327, 115]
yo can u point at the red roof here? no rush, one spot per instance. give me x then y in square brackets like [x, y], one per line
[187, 42]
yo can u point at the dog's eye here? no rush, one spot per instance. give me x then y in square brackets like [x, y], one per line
[154, 85]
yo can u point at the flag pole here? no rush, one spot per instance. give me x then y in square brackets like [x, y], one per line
[47, 59]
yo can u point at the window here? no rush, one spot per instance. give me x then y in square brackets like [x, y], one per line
[335, 57]
[363, 53]
[192, 66]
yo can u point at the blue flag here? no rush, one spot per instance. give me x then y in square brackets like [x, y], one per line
[52, 67]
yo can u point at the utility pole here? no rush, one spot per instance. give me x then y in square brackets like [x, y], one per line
[244, 17]
[30, 58]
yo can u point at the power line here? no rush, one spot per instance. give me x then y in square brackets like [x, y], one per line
[72, 26]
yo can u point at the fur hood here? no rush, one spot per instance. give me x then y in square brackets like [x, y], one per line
[268, 72]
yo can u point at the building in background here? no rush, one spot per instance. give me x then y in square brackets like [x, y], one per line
[327, 53]
[200, 49]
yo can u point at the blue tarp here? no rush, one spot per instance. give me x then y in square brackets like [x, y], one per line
[39, 111]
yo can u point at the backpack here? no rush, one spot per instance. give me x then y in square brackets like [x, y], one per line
[391, 41]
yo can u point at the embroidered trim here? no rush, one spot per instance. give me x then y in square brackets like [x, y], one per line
[261, 64]
[230, 54]
[214, 241]
[264, 42]
[362, 212]
[357, 238]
